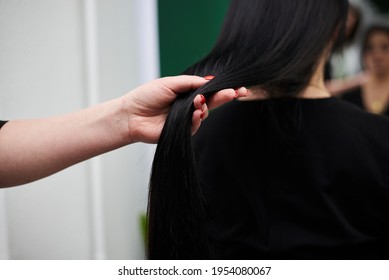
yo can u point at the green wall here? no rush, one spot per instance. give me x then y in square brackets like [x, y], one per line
[188, 30]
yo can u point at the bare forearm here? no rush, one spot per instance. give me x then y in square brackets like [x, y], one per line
[340, 86]
[33, 149]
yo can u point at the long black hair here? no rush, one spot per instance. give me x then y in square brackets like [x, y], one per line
[273, 44]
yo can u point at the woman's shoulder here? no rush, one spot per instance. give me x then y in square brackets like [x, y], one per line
[361, 116]
[349, 116]
[350, 126]
[331, 112]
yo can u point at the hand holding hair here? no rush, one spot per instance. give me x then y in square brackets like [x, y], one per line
[149, 104]
[33, 149]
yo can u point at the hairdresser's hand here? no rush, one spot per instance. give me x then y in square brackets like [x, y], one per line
[148, 105]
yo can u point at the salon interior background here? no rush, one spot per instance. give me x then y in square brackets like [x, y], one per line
[58, 56]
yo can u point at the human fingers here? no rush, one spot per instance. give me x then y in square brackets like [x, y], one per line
[226, 95]
[200, 104]
[197, 119]
[199, 101]
[201, 112]
[183, 83]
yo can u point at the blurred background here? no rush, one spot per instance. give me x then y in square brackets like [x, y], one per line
[58, 56]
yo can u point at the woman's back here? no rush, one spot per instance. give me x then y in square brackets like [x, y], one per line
[295, 178]
[279, 48]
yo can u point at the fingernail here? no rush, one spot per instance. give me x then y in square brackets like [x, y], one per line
[202, 114]
[210, 77]
[202, 99]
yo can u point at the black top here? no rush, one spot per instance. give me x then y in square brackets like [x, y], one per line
[355, 96]
[2, 123]
[295, 179]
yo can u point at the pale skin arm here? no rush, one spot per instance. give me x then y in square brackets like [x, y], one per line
[340, 86]
[34, 149]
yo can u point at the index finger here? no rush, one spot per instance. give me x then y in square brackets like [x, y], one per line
[183, 83]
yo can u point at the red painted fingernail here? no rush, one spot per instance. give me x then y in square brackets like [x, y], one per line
[210, 77]
[202, 114]
[202, 99]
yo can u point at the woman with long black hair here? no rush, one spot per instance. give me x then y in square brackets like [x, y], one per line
[299, 175]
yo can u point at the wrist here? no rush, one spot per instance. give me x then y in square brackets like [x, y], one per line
[110, 122]
[125, 115]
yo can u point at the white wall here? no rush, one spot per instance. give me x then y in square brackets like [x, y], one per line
[45, 69]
